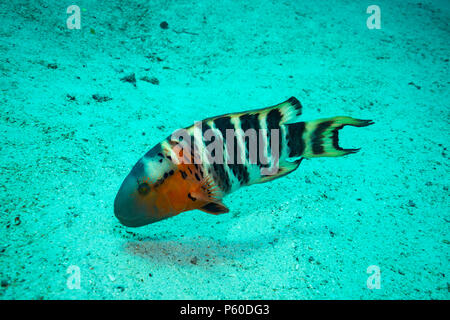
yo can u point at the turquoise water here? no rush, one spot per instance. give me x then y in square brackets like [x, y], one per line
[71, 130]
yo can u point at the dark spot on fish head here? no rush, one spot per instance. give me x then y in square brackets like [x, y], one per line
[139, 200]
[134, 204]
[143, 188]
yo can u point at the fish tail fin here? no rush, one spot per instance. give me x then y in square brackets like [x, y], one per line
[320, 138]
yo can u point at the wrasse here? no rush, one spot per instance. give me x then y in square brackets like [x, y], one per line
[201, 164]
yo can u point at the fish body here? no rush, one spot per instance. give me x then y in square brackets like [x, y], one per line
[196, 167]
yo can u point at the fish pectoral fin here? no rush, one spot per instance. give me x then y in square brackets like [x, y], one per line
[214, 208]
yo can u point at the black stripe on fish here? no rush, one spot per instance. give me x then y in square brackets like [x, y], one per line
[200, 169]
[219, 172]
[206, 127]
[222, 124]
[240, 170]
[250, 121]
[263, 140]
[273, 120]
[295, 139]
[231, 146]
[233, 149]
[222, 178]
[316, 137]
[335, 138]
[213, 136]
[296, 104]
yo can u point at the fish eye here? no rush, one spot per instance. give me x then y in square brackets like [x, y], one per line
[143, 188]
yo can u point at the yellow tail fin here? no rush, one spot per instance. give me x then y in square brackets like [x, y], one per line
[321, 136]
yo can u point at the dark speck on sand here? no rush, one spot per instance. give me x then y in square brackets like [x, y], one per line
[164, 25]
[131, 78]
[100, 98]
[152, 80]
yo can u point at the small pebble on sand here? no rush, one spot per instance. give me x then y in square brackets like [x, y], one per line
[131, 78]
[164, 25]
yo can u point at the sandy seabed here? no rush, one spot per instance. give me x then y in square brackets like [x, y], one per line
[71, 130]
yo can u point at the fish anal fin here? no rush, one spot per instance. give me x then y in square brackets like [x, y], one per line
[284, 169]
[214, 207]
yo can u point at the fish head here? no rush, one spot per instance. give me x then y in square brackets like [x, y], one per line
[142, 198]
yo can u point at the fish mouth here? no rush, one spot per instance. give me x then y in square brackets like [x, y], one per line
[132, 223]
[131, 207]
[131, 217]
[134, 216]
[130, 212]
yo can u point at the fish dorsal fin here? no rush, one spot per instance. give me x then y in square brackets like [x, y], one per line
[288, 111]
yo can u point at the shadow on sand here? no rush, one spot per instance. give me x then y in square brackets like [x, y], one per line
[203, 252]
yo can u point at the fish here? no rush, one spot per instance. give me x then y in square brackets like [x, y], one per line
[197, 166]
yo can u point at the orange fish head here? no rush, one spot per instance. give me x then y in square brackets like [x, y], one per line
[139, 200]
[158, 188]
